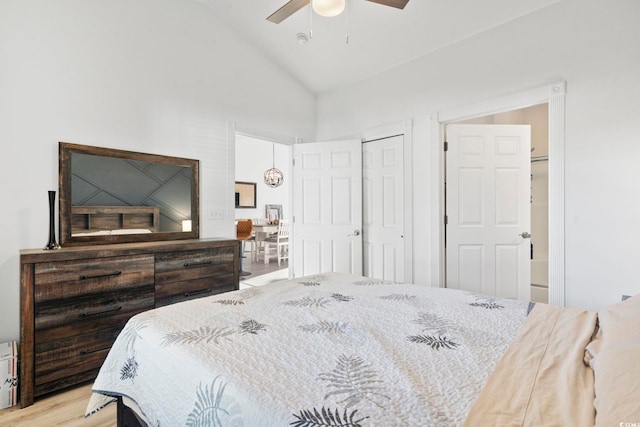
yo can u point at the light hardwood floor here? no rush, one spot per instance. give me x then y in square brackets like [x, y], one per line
[60, 409]
[257, 268]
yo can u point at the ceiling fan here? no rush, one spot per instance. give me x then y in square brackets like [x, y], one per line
[324, 8]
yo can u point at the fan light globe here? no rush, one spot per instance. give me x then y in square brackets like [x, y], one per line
[328, 8]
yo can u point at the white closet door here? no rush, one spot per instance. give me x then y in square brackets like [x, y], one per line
[383, 208]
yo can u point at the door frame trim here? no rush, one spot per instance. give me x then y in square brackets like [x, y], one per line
[554, 95]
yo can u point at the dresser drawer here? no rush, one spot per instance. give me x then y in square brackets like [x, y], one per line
[72, 356]
[187, 265]
[56, 319]
[170, 293]
[67, 279]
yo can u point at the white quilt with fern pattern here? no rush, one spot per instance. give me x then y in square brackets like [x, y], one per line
[325, 350]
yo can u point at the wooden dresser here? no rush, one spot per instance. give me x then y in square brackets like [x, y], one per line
[75, 301]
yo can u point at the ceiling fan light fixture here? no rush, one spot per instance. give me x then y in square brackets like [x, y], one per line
[328, 8]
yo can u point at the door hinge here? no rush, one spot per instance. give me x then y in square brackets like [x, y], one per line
[446, 146]
[446, 220]
[294, 161]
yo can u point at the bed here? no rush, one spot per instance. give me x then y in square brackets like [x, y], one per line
[343, 350]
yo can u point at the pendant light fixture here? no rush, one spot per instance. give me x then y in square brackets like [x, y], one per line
[328, 8]
[273, 177]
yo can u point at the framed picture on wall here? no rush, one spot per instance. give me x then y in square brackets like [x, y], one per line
[245, 195]
[273, 213]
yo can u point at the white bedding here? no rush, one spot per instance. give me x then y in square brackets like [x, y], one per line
[340, 349]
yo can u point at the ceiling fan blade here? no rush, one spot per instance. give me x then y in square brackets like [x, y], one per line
[291, 7]
[398, 4]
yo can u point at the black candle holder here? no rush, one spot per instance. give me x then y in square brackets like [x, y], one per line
[52, 244]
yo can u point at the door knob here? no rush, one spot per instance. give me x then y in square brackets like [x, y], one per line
[525, 235]
[355, 233]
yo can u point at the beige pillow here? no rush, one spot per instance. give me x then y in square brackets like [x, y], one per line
[616, 364]
[617, 386]
[620, 321]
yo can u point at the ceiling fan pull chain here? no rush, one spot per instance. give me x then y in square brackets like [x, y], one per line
[311, 21]
[346, 18]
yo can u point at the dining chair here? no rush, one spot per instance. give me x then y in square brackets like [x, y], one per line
[251, 241]
[244, 228]
[280, 242]
[257, 248]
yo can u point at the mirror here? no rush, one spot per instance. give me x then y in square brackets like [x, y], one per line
[117, 196]
[245, 194]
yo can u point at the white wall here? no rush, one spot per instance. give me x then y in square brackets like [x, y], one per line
[253, 158]
[593, 45]
[158, 76]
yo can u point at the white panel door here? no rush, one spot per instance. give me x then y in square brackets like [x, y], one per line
[383, 208]
[488, 191]
[327, 206]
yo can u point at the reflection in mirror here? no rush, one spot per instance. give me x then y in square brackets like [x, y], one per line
[164, 189]
[114, 196]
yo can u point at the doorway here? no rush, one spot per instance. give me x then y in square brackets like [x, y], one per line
[487, 209]
[554, 96]
[253, 156]
[532, 251]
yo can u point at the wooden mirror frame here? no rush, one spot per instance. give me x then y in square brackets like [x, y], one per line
[65, 150]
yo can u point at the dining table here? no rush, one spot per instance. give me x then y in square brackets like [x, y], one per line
[265, 228]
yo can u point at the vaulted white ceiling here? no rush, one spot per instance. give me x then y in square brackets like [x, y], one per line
[380, 37]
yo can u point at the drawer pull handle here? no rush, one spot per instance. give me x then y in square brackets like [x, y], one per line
[83, 352]
[111, 310]
[196, 264]
[85, 277]
[201, 291]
